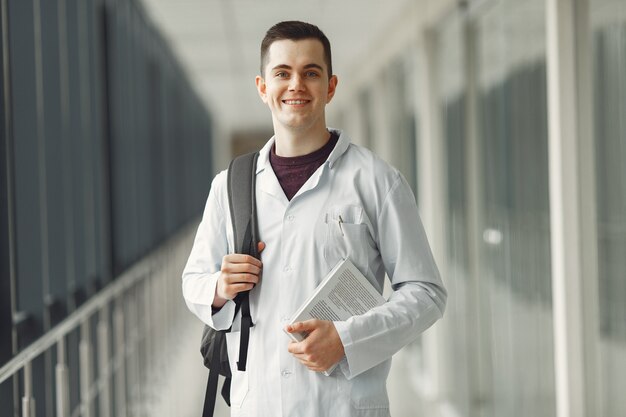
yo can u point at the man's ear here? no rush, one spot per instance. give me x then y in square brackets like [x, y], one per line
[261, 88]
[332, 86]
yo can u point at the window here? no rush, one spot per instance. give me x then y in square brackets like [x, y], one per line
[609, 73]
[515, 266]
[451, 105]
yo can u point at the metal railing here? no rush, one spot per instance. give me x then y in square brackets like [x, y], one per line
[121, 344]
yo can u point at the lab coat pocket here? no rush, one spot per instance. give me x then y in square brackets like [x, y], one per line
[239, 382]
[346, 236]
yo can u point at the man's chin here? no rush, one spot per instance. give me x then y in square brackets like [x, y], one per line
[297, 124]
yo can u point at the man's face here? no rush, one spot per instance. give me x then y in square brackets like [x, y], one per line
[296, 85]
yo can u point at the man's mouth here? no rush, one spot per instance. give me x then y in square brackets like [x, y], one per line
[295, 102]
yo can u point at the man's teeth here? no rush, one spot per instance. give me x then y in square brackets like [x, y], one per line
[296, 101]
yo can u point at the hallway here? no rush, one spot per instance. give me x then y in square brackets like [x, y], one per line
[505, 118]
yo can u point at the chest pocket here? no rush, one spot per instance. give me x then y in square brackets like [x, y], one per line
[346, 236]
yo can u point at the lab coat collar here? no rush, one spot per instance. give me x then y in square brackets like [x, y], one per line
[267, 178]
[340, 148]
[268, 181]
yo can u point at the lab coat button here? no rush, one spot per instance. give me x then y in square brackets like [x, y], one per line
[286, 269]
[290, 217]
[286, 373]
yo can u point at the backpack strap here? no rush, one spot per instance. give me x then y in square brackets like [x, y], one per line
[241, 180]
[211, 388]
[242, 204]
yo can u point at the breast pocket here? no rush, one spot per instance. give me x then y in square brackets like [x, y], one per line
[346, 236]
[239, 382]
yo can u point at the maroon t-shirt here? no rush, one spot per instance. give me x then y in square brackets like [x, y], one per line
[293, 172]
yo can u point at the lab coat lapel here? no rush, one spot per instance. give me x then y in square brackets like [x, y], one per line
[312, 182]
[340, 148]
[266, 178]
[268, 183]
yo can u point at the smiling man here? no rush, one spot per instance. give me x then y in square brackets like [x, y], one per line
[320, 199]
[296, 84]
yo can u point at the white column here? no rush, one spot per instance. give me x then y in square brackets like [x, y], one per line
[478, 300]
[104, 362]
[28, 402]
[121, 399]
[572, 217]
[85, 353]
[62, 381]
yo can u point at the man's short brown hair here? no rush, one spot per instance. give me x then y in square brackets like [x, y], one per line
[295, 31]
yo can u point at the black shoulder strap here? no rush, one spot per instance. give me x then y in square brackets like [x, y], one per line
[211, 387]
[242, 204]
[241, 179]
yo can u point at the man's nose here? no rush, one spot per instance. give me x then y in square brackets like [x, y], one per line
[296, 83]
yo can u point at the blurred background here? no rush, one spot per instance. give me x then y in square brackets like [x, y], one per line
[507, 117]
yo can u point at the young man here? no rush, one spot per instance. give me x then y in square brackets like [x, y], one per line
[319, 199]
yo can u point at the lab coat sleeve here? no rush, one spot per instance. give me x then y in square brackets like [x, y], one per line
[205, 261]
[418, 298]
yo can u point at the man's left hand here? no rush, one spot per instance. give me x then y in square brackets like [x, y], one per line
[321, 349]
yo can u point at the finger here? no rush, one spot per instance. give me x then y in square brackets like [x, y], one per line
[236, 268]
[305, 363]
[305, 359]
[235, 289]
[295, 348]
[261, 246]
[238, 258]
[231, 291]
[313, 366]
[241, 278]
[303, 326]
[301, 357]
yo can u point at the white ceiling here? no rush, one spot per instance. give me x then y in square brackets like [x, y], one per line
[218, 41]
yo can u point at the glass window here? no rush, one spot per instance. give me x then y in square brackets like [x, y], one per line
[451, 104]
[514, 224]
[56, 154]
[401, 116]
[26, 152]
[5, 200]
[499, 359]
[609, 73]
[122, 143]
[97, 132]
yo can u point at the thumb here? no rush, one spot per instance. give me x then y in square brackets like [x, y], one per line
[261, 246]
[302, 326]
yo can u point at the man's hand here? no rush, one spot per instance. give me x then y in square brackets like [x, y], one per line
[239, 273]
[321, 349]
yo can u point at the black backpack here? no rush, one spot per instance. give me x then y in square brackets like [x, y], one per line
[242, 203]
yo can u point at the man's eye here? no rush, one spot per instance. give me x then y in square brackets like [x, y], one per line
[311, 74]
[282, 74]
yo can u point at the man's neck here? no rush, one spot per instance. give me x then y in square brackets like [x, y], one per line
[290, 144]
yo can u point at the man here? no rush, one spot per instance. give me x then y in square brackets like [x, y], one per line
[319, 199]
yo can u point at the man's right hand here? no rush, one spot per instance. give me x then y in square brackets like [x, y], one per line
[239, 273]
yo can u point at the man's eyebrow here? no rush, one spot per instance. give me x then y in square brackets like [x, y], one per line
[281, 66]
[307, 66]
[319, 67]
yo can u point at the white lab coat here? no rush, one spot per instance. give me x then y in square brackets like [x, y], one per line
[381, 233]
